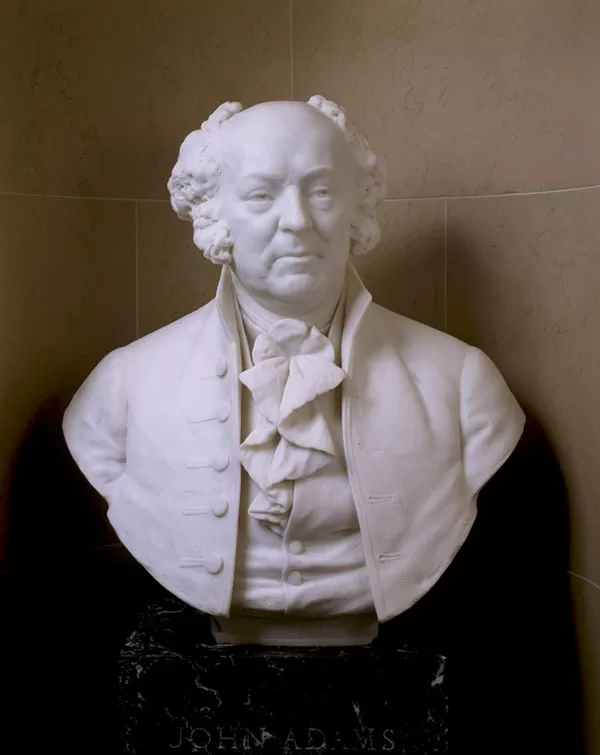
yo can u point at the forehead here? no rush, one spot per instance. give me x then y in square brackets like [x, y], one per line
[281, 139]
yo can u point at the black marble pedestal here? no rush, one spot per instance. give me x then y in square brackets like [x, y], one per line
[181, 693]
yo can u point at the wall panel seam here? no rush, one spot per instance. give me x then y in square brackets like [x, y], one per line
[73, 196]
[451, 197]
[445, 294]
[584, 579]
[291, 50]
[456, 197]
[137, 271]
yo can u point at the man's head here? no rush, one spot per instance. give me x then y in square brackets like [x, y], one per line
[283, 191]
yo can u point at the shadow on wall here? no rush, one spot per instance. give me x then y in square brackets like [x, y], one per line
[500, 613]
[520, 544]
[74, 595]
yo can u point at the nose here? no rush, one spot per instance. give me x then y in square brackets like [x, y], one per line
[294, 216]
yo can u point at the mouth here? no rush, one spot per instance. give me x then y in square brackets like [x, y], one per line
[298, 253]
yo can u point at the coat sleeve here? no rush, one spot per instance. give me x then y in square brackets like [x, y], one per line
[491, 419]
[95, 424]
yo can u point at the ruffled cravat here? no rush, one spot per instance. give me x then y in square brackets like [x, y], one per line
[294, 368]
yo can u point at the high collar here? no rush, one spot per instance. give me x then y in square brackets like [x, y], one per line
[357, 301]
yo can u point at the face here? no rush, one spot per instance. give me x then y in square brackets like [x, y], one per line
[287, 193]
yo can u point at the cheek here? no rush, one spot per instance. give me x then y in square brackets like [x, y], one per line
[252, 227]
[251, 234]
[334, 223]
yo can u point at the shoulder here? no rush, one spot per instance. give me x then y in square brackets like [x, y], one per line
[171, 343]
[160, 355]
[442, 366]
[177, 334]
[419, 346]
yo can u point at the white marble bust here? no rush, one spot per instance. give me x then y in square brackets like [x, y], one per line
[291, 458]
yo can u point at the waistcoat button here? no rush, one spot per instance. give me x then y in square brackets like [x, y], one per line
[294, 578]
[296, 547]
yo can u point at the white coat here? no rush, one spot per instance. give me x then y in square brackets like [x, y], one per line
[426, 421]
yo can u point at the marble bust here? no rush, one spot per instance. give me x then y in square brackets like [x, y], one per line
[292, 459]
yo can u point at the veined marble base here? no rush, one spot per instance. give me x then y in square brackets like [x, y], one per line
[181, 693]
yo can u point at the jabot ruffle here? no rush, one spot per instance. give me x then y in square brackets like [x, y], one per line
[294, 368]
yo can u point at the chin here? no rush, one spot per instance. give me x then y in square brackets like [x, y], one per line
[294, 287]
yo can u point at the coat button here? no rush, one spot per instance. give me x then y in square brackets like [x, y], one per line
[296, 547]
[220, 462]
[219, 507]
[294, 578]
[223, 413]
[221, 367]
[214, 564]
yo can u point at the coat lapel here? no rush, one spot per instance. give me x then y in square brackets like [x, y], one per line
[358, 300]
[375, 370]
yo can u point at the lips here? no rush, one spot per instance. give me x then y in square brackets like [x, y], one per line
[294, 250]
[299, 252]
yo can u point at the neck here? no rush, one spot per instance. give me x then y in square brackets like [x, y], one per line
[264, 317]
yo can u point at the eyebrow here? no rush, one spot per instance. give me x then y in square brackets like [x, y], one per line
[262, 176]
[324, 170]
[315, 173]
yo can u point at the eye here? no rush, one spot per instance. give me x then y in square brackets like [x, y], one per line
[259, 196]
[321, 193]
